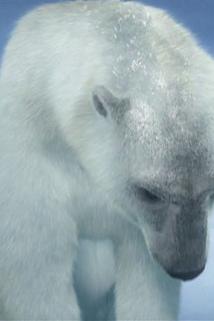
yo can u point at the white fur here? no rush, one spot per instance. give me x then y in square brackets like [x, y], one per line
[61, 169]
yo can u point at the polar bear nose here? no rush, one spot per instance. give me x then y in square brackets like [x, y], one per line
[185, 276]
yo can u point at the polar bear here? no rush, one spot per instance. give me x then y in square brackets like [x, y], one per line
[106, 133]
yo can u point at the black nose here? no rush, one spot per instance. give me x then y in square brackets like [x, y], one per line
[185, 276]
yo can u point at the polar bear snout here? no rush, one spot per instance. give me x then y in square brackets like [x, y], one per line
[180, 247]
[182, 267]
[186, 275]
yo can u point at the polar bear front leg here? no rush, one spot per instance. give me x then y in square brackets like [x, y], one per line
[36, 267]
[143, 290]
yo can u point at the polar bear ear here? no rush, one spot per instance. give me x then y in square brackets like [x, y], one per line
[106, 103]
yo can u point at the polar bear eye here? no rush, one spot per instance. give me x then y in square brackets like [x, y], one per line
[148, 196]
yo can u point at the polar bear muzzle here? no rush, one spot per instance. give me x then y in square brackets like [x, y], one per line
[181, 246]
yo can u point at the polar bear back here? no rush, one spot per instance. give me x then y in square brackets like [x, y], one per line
[59, 52]
[88, 36]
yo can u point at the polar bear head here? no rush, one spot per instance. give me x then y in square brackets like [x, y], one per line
[161, 173]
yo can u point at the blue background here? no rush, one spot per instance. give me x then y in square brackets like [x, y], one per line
[198, 15]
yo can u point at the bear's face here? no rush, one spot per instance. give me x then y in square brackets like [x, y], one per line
[164, 180]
